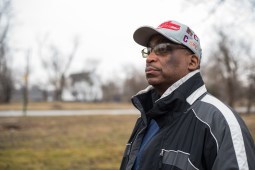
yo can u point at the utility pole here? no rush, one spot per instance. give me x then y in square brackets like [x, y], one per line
[25, 88]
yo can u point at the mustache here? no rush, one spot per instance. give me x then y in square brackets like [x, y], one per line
[151, 67]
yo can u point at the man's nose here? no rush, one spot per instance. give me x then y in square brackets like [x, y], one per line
[152, 57]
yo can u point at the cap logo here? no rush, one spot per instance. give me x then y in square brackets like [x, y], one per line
[193, 45]
[189, 31]
[169, 25]
[195, 37]
[185, 38]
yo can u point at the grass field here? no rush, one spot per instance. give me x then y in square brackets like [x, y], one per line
[63, 143]
[68, 142]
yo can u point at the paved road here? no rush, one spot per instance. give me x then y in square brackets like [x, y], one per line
[70, 112]
[83, 112]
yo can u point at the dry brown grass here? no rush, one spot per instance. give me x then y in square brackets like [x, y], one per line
[68, 142]
[59, 143]
[250, 122]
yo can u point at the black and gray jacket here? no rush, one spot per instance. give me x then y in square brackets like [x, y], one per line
[197, 131]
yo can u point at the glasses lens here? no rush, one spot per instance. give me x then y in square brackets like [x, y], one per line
[146, 52]
[163, 49]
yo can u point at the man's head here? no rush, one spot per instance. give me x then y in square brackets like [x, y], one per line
[172, 51]
[173, 31]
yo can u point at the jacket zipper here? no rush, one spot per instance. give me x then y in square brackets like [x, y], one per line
[131, 143]
[161, 158]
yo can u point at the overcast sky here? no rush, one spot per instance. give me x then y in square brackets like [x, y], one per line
[104, 29]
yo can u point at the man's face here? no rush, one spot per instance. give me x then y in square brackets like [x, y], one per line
[164, 69]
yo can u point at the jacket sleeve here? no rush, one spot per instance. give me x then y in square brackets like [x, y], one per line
[235, 148]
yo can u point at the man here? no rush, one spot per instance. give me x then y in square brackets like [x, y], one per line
[182, 126]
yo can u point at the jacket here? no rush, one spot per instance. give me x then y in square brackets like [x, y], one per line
[196, 131]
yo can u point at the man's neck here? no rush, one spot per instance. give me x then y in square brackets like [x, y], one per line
[160, 89]
[164, 90]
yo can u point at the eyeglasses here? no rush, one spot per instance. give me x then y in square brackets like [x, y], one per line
[161, 49]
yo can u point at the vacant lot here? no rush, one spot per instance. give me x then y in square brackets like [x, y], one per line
[67, 143]
[61, 143]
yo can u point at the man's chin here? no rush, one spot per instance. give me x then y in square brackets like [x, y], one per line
[153, 81]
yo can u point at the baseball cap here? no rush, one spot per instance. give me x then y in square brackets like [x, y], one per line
[172, 30]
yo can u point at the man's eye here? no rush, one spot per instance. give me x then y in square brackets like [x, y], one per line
[169, 48]
[163, 50]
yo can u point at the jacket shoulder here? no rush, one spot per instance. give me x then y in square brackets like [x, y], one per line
[220, 118]
[227, 128]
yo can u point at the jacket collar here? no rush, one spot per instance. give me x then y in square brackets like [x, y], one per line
[176, 99]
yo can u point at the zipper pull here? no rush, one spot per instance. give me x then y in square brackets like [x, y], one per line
[161, 158]
[128, 148]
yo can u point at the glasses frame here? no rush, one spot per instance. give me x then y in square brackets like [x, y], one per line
[163, 47]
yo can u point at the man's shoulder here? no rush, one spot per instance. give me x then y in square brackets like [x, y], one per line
[210, 107]
[220, 118]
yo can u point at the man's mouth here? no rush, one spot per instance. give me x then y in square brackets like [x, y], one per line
[151, 69]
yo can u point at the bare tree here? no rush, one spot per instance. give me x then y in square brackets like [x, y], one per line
[134, 82]
[229, 69]
[250, 93]
[25, 86]
[55, 65]
[222, 72]
[250, 89]
[6, 81]
[215, 6]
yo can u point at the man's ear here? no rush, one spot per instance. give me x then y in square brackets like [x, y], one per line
[194, 63]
